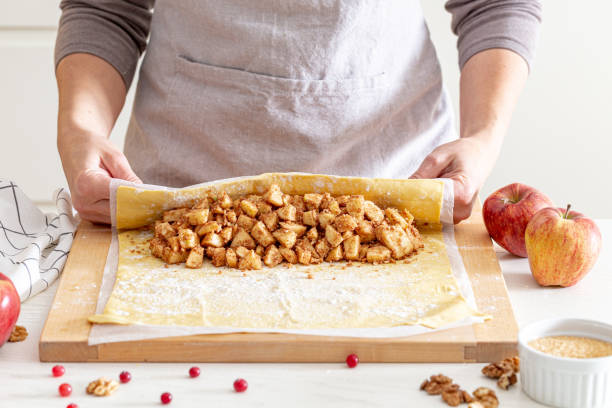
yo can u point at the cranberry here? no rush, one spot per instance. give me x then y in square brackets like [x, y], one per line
[352, 360]
[194, 372]
[72, 405]
[240, 385]
[58, 370]
[65, 390]
[125, 377]
[166, 398]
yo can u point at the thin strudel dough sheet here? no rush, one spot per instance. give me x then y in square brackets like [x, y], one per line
[430, 289]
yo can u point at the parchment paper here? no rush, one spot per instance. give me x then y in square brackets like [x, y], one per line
[106, 333]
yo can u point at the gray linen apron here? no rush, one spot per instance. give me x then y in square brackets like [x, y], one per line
[238, 87]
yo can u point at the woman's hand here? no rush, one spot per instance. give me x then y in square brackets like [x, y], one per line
[91, 95]
[467, 161]
[89, 164]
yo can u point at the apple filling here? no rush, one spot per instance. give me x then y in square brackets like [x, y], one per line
[275, 228]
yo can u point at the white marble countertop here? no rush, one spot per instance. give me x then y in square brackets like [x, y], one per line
[25, 382]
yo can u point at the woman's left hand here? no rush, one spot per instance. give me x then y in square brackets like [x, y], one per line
[468, 162]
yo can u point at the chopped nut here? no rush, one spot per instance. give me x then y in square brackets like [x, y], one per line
[102, 387]
[505, 371]
[484, 398]
[436, 384]
[19, 333]
[506, 380]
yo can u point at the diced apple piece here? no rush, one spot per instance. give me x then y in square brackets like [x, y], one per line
[355, 206]
[195, 258]
[344, 223]
[224, 200]
[407, 215]
[303, 255]
[335, 254]
[325, 218]
[351, 248]
[212, 240]
[164, 229]
[226, 234]
[373, 212]
[394, 217]
[272, 256]
[261, 234]
[365, 230]
[230, 216]
[274, 196]
[241, 252]
[310, 218]
[210, 226]
[250, 261]
[218, 257]
[270, 219]
[286, 237]
[157, 246]
[313, 201]
[342, 200]
[322, 247]
[333, 237]
[174, 244]
[231, 258]
[174, 257]
[288, 254]
[396, 239]
[242, 238]
[378, 254]
[292, 226]
[249, 208]
[187, 238]
[263, 207]
[287, 212]
[298, 202]
[198, 217]
[174, 215]
[245, 222]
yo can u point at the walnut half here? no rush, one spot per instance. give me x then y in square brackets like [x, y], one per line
[102, 387]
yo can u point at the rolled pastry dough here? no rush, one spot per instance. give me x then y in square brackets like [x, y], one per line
[421, 290]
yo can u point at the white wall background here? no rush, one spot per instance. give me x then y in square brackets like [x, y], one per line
[560, 140]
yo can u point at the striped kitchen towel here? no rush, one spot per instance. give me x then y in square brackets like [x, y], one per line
[33, 246]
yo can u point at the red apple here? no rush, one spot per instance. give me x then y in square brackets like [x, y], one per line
[562, 245]
[10, 305]
[507, 212]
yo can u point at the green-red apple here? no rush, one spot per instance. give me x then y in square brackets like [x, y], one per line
[507, 211]
[562, 246]
[10, 305]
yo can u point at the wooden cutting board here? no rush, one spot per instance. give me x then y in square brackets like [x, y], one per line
[64, 337]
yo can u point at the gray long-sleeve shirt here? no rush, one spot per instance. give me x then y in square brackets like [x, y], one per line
[117, 30]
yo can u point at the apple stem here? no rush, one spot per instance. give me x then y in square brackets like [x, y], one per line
[567, 211]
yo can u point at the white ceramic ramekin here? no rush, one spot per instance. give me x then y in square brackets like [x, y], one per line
[566, 382]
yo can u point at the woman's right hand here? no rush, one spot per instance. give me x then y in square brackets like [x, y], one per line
[89, 164]
[91, 95]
